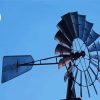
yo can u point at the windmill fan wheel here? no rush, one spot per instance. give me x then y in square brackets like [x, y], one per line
[79, 45]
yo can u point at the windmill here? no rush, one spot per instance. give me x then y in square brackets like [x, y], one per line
[78, 50]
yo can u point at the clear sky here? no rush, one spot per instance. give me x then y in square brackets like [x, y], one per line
[29, 27]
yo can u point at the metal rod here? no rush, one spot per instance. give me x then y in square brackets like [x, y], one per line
[80, 83]
[87, 84]
[32, 64]
[92, 82]
[40, 61]
[85, 79]
[50, 58]
[75, 77]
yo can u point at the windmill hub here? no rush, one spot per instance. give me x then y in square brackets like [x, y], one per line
[77, 55]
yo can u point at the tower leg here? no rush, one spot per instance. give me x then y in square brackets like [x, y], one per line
[71, 94]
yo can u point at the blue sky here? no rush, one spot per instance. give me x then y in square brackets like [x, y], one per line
[29, 27]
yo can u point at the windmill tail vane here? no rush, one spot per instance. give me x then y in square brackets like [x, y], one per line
[78, 50]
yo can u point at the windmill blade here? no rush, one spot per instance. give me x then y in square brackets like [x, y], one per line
[94, 47]
[74, 18]
[92, 37]
[62, 39]
[62, 49]
[96, 77]
[87, 84]
[69, 24]
[97, 57]
[87, 30]
[94, 64]
[64, 29]
[63, 61]
[11, 68]
[81, 25]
